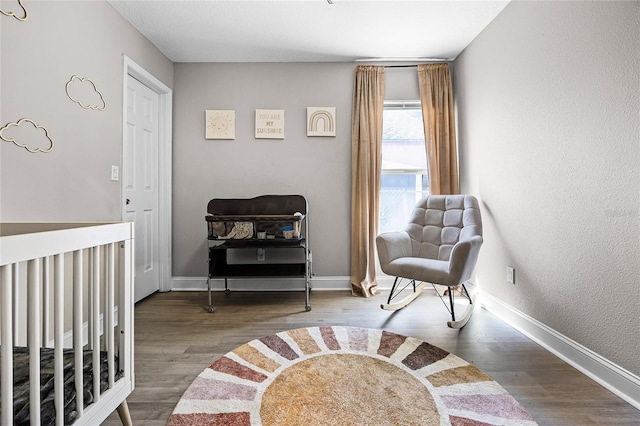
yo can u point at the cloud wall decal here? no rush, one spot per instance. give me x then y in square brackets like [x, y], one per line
[83, 91]
[21, 16]
[23, 130]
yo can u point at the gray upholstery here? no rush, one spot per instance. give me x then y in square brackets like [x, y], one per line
[440, 244]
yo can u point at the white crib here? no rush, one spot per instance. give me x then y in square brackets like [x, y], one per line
[66, 315]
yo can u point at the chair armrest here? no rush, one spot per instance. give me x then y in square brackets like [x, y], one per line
[462, 262]
[392, 245]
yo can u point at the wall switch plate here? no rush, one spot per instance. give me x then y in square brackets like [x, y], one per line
[511, 275]
[260, 254]
[115, 173]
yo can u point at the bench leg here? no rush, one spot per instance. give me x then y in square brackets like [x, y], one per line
[123, 412]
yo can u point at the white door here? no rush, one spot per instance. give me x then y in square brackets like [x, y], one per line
[140, 162]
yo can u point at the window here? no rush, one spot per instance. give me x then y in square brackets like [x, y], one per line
[404, 177]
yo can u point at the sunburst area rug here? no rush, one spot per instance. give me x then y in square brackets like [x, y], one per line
[344, 376]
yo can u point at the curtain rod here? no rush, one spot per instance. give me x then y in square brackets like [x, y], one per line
[400, 66]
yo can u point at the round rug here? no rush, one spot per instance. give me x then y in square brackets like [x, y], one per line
[344, 376]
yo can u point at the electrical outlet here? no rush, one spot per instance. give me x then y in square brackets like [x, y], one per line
[260, 254]
[511, 275]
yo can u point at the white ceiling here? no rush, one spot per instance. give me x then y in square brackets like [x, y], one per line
[309, 30]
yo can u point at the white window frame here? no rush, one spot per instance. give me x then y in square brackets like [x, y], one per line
[383, 279]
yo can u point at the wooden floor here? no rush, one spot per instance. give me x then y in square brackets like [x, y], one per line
[176, 338]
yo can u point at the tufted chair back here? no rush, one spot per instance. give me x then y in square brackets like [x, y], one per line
[439, 222]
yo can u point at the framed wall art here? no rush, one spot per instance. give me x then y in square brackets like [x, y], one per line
[269, 124]
[321, 121]
[220, 124]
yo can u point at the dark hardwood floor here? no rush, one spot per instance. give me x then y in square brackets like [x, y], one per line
[176, 338]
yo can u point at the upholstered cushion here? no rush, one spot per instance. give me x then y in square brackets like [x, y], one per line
[420, 269]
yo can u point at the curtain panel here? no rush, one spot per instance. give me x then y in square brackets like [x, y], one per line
[436, 96]
[366, 159]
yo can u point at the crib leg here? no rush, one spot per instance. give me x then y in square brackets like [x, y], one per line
[123, 412]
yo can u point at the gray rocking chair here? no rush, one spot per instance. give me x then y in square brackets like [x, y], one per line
[440, 245]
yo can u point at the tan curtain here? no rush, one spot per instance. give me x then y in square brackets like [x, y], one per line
[436, 95]
[366, 157]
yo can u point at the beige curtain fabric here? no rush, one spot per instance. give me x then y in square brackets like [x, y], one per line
[366, 158]
[436, 95]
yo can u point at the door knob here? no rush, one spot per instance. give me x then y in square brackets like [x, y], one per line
[128, 201]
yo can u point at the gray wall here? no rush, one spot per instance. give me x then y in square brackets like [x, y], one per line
[38, 57]
[548, 101]
[316, 167]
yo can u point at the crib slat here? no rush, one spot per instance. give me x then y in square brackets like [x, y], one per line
[89, 288]
[58, 335]
[109, 308]
[45, 302]
[94, 323]
[77, 329]
[33, 338]
[14, 283]
[6, 339]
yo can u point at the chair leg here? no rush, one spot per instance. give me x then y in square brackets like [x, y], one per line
[393, 289]
[466, 293]
[453, 314]
[125, 415]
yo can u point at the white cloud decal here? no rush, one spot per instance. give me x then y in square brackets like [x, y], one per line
[17, 16]
[82, 91]
[24, 130]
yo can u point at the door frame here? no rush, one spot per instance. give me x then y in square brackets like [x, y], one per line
[165, 118]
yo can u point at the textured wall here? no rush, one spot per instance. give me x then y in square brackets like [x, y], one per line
[38, 56]
[548, 99]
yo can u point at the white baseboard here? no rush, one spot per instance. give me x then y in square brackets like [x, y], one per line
[613, 377]
[337, 283]
[260, 284]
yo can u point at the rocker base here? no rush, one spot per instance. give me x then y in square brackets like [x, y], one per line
[404, 302]
[462, 321]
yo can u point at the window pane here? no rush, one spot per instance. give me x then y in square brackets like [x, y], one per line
[398, 195]
[403, 140]
[404, 177]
